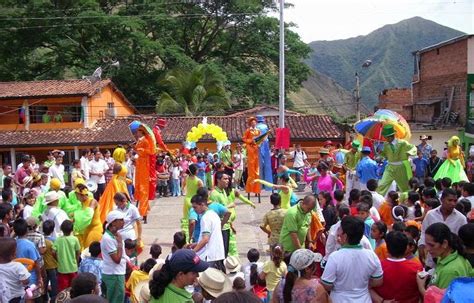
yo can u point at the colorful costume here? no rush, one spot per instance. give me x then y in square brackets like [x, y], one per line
[252, 159]
[350, 163]
[118, 184]
[119, 155]
[453, 167]
[145, 149]
[286, 197]
[192, 186]
[87, 225]
[398, 168]
[265, 168]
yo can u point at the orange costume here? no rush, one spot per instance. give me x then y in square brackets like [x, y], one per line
[145, 148]
[252, 158]
[118, 184]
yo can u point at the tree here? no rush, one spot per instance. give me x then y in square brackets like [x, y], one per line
[194, 92]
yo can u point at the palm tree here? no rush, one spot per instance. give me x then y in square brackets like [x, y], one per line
[193, 92]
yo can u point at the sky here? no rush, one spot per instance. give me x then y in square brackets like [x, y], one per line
[341, 19]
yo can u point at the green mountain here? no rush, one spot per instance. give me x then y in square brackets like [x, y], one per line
[389, 48]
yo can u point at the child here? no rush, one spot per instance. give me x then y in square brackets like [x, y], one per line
[93, 264]
[363, 212]
[413, 234]
[139, 275]
[131, 251]
[273, 270]
[354, 196]
[385, 209]
[252, 256]
[413, 205]
[67, 251]
[29, 201]
[35, 236]
[76, 171]
[50, 263]
[378, 233]
[339, 198]
[14, 274]
[6, 215]
[273, 220]
[155, 252]
[201, 173]
[25, 249]
[175, 178]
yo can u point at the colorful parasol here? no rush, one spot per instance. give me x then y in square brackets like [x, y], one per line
[135, 125]
[372, 126]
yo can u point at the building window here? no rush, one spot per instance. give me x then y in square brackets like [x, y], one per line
[110, 105]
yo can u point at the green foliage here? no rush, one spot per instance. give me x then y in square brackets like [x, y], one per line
[193, 92]
[389, 48]
[56, 39]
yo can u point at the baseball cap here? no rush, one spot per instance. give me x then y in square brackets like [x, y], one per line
[114, 215]
[366, 149]
[186, 260]
[302, 258]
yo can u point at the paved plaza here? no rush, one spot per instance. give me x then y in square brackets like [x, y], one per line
[165, 215]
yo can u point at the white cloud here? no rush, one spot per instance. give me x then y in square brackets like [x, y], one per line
[341, 19]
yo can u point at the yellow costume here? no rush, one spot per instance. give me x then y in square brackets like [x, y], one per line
[453, 167]
[87, 225]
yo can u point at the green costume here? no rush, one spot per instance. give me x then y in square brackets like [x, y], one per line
[40, 207]
[192, 186]
[398, 168]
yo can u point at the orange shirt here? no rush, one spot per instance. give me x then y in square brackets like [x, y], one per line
[385, 212]
[381, 251]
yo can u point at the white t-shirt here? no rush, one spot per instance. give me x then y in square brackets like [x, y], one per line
[176, 172]
[58, 216]
[108, 246]
[377, 199]
[332, 245]
[57, 171]
[374, 213]
[349, 271]
[12, 273]
[98, 167]
[246, 270]
[298, 158]
[85, 167]
[27, 210]
[131, 216]
[214, 249]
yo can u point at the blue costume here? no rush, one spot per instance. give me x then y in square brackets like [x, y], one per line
[265, 165]
[366, 169]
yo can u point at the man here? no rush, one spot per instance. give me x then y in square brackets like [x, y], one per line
[225, 156]
[351, 270]
[421, 166]
[445, 213]
[299, 160]
[350, 163]
[265, 168]
[398, 169]
[399, 274]
[366, 168]
[467, 192]
[54, 213]
[210, 246]
[113, 255]
[424, 147]
[22, 172]
[98, 167]
[131, 218]
[85, 163]
[294, 230]
[219, 195]
[57, 171]
[434, 163]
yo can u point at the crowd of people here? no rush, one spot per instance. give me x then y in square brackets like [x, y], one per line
[398, 229]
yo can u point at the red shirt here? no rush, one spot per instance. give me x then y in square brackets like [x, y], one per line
[399, 280]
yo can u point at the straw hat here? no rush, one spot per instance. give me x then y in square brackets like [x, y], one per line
[232, 264]
[27, 179]
[215, 282]
[50, 196]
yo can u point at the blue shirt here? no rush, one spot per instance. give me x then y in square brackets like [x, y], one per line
[366, 169]
[93, 266]
[425, 150]
[27, 249]
[421, 165]
[218, 208]
[367, 228]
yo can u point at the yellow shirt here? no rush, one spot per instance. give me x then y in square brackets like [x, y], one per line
[135, 277]
[49, 261]
[273, 273]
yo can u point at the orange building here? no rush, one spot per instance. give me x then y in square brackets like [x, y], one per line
[38, 115]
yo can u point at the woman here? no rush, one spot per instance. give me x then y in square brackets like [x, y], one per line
[191, 183]
[251, 133]
[145, 149]
[299, 285]
[453, 167]
[326, 181]
[442, 244]
[118, 184]
[179, 271]
[87, 225]
[110, 163]
[285, 189]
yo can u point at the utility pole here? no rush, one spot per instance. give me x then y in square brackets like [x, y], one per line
[281, 101]
[357, 97]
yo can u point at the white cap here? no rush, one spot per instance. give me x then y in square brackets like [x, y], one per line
[114, 215]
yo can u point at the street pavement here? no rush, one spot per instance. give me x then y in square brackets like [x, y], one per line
[165, 215]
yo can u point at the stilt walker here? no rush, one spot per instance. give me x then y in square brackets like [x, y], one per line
[251, 133]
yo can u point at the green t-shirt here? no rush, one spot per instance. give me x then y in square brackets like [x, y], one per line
[66, 248]
[295, 221]
[351, 159]
[174, 294]
[220, 196]
[449, 268]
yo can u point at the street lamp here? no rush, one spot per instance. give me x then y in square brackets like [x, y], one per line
[366, 64]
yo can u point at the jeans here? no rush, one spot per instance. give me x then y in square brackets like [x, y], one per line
[51, 277]
[99, 191]
[176, 187]
[115, 285]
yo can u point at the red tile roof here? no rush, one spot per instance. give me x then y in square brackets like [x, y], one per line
[50, 88]
[115, 131]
